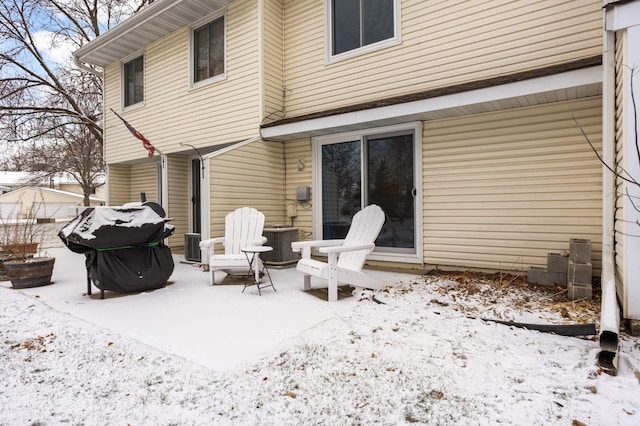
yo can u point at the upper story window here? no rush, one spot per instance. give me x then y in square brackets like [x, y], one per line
[355, 25]
[133, 72]
[208, 50]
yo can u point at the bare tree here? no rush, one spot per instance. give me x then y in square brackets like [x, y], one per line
[618, 170]
[49, 107]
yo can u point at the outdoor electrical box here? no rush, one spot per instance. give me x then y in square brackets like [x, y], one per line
[303, 193]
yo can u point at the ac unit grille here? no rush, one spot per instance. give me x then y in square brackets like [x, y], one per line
[192, 247]
[280, 239]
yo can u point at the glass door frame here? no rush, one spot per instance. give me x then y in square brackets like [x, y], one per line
[360, 135]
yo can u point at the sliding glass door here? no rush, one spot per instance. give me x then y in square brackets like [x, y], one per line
[370, 169]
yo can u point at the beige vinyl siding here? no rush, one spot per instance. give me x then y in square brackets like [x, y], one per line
[178, 197]
[144, 178]
[250, 175]
[294, 151]
[272, 46]
[173, 112]
[119, 179]
[443, 44]
[503, 189]
[620, 227]
[111, 87]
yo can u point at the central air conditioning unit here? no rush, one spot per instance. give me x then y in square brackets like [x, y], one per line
[280, 238]
[192, 247]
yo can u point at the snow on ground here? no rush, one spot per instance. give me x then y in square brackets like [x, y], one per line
[414, 353]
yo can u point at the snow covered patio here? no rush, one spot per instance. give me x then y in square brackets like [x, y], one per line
[215, 326]
[421, 356]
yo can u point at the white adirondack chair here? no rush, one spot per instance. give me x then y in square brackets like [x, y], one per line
[242, 228]
[345, 257]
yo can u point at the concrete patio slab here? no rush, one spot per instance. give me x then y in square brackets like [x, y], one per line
[216, 326]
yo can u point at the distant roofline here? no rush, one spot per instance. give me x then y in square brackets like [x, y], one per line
[54, 191]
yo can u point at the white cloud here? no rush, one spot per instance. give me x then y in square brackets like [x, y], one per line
[55, 48]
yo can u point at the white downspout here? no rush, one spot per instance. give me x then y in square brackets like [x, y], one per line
[610, 311]
[205, 211]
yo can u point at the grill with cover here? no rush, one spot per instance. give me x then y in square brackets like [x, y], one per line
[123, 246]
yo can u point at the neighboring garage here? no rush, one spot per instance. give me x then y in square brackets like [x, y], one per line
[42, 203]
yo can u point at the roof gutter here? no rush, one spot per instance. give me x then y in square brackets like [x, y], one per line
[127, 25]
[85, 67]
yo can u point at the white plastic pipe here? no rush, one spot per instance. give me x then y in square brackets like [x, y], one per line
[610, 311]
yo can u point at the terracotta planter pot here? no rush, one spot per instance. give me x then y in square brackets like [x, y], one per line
[27, 273]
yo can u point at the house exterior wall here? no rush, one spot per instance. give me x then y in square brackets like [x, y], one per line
[251, 175]
[627, 243]
[118, 191]
[126, 182]
[177, 206]
[443, 44]
[295, 151]
[173, 111]
[472, 217]
[272, 58]
[503, 189]
[500, 189]
[143, 178]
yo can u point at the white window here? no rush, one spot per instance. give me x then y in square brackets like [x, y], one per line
[133, 81]
[209, 50]
[357, 26]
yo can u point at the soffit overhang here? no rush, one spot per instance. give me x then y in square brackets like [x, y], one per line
[561, 86]
[155, 21]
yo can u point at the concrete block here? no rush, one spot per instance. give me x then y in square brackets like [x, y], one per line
[579, 291]
[537, 275]
[557, 263]
[580, 250]
[634, 327]
[579, 272]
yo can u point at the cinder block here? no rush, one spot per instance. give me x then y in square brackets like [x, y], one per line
[634, 327]
[580, 250]
[557, 263]
[580, 291]
[579, 272]
[537, 275]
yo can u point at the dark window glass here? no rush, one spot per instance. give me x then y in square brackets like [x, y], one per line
[377, 20]
[341, 174]
[134, 81]
[390, 185]
[346, 25]
[357, 23]
[208, 42]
